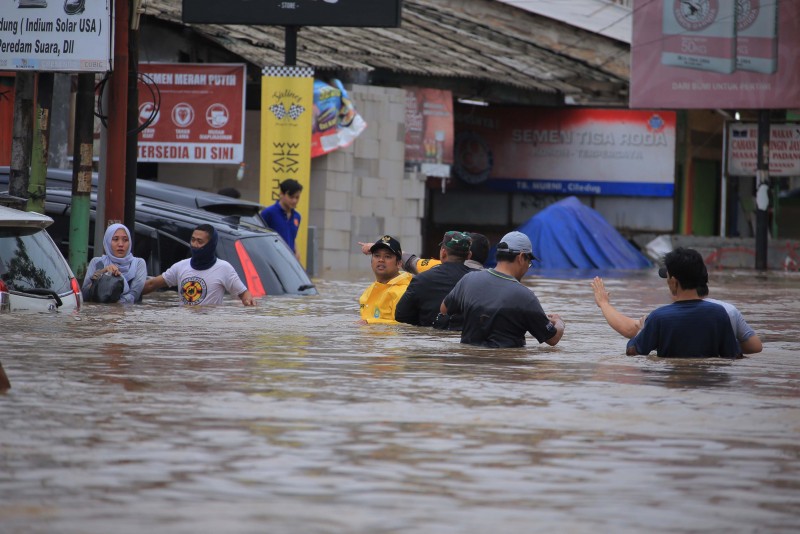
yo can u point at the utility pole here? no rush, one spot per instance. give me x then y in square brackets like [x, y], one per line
[132, 140]
[762, 189]
[41, 142]
[290, 46]
[117, 119]
[22, 138]
[82, 155]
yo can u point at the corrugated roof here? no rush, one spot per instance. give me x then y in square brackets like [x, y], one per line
[478, 40]
[612, 18]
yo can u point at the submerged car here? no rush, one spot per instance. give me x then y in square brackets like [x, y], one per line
[33, 272]
[161, 237]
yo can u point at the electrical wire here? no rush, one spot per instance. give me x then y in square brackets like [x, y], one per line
[142, 79]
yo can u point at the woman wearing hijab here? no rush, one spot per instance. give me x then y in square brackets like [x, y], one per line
[202, 279]
[118, 261]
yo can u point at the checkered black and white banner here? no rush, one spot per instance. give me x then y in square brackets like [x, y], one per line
[288, 72]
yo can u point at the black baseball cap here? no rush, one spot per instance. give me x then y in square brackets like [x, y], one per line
[390, 243]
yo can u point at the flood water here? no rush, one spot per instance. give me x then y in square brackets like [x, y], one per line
[292, 418]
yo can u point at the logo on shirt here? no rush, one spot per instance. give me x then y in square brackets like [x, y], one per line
[377, 313]
[192, 290]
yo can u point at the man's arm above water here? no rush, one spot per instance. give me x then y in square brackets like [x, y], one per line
[624, 325]
[151, 284]
[749, 342]
[558, 323]
[751, 345]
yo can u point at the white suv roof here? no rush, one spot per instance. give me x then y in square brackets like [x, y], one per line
[12, 217]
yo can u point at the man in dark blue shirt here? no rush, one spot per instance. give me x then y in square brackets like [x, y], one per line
[282, 216]
[689, 327]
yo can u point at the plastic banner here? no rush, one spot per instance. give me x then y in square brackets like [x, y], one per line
[336, 123]
[429, 130]
[195, 113]
[287, 106]
[784, 149]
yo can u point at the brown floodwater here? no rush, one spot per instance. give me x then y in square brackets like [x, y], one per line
[292, 418]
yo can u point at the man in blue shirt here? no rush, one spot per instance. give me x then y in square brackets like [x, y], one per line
[282, 216]
[689, 327]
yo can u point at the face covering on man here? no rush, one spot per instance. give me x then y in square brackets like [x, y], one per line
[205, 257]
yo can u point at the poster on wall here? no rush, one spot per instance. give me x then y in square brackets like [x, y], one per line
[715, 54]
[195, 113]
[784, 149]
[567, 151]
[429, 131]
[56, 36]
[336, 123]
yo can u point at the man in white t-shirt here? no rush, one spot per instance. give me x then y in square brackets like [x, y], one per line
[202, 279]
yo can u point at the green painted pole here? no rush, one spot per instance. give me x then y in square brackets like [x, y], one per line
[41, 141]
[82, 176]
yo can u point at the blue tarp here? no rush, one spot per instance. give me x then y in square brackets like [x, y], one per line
[571, 235]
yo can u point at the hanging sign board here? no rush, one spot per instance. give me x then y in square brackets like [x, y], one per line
[201, 113]
[429, 131]
[352, 13]
[577, 151]
[56, 36]
[784, 149]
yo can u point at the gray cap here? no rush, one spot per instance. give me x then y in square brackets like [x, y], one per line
[516, 242]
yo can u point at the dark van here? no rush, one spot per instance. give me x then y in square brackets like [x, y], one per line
[247, 211]
[262, 259]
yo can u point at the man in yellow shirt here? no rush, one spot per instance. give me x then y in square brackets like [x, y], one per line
[378, 301]
[415, 265]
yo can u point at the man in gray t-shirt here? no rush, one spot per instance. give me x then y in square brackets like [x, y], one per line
[498, 310]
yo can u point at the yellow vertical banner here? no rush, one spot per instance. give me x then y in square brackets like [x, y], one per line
[287, 107]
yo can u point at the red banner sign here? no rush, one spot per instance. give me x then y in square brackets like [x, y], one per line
[201, 114]
[429, 127]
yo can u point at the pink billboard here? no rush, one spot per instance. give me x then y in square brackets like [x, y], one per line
[715, 54]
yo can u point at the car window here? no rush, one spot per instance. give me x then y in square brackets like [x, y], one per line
[171, 250]
[29, 260]
[272, 259]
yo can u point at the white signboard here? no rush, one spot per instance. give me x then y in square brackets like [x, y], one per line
[574, 151]
[784, 149]
[56, 35]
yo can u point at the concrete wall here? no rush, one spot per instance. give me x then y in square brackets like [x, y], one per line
[740, 253]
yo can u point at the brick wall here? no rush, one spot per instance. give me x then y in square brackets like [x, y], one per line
[362, 192]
